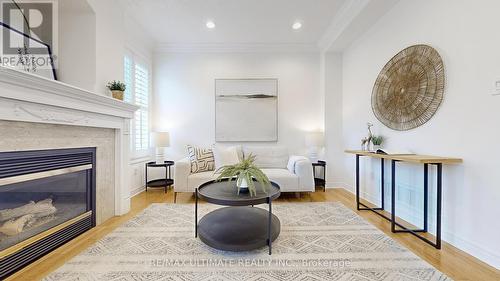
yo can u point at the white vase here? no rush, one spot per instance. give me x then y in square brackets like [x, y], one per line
[242, 184]
[376, 147]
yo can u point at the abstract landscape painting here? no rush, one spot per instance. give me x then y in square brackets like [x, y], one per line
[246, 110]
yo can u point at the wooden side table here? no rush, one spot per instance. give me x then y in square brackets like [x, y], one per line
[321, 179]
[163, 182]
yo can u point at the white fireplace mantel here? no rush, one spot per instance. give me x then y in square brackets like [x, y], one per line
[30, 98]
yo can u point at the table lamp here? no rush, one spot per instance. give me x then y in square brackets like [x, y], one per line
[162, 140]
[314, 142]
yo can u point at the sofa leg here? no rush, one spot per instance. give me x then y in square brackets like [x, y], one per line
[175, 197]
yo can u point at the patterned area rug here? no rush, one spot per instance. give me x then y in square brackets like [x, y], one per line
[318, 241]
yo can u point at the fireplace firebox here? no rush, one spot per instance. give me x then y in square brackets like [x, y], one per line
[47, 197]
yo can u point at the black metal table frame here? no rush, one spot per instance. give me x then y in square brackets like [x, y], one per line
[270, 215]
[168, 173]
[437, 243]
[321, 164]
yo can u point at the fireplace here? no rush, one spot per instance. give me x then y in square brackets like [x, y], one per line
[47, 197]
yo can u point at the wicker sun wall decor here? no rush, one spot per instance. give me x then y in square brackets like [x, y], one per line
[409, 89]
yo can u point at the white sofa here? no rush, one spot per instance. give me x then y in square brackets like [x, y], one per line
[291, 173]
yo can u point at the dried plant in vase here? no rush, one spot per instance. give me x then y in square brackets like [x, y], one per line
[245, 172]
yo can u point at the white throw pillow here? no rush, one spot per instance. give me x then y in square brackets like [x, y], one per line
[226, 156]
[268, 157]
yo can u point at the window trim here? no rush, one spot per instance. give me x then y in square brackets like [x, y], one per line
[146, 63]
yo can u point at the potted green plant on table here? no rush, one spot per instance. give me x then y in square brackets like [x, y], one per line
[117, 88]
[245, 172]
[377, 142]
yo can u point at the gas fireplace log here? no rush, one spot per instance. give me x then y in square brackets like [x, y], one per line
[25, 216]
[14, 227]
[38, 209]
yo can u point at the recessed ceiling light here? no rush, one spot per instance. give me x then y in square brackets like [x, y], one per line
[210, 24]
[297, 25]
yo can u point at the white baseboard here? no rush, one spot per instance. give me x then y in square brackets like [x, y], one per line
[137, 190]
[335, 185]
[451, 238]
[473, 249]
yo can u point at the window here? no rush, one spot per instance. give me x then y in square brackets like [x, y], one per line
[137, 79]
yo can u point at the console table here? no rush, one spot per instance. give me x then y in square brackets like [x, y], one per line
[410, 158]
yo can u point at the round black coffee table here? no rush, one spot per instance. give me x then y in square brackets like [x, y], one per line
[240, 227]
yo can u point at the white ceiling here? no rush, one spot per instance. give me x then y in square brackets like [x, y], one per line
[237, 21]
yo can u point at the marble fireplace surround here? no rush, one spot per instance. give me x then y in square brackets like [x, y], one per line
[38, 113]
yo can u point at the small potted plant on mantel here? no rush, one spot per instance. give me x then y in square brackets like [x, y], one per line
[377, 142]
[117, 88]
[245, 172]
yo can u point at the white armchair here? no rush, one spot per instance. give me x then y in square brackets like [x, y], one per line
[291, 173]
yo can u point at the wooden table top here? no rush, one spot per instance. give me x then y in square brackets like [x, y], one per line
[412, 158]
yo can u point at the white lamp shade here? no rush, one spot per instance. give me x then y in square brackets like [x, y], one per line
[315, 139]
[162, 139]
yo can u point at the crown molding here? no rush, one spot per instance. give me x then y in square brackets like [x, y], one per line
[352, 20]
[235, 48]
[340, 22]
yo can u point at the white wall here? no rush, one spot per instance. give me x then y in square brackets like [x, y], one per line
[138, 40]
[92, 35]
[333, 119]
[184, 99]
[110, 42]
[76, 61]
[95, 35]
[465, 33]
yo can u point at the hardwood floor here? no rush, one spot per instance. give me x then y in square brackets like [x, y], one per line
[450, 260]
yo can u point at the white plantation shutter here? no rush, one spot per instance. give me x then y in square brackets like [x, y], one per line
[128, 66]
[141, 115]
[136, 77]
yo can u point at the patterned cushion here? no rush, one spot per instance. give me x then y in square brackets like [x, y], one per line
[202, 159]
